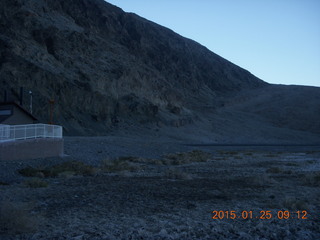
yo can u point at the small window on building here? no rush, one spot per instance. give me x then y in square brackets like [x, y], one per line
[5, 112]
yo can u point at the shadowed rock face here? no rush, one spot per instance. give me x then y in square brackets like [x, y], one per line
[110, 70]
[103, 66]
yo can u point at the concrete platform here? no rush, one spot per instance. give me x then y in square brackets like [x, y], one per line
[31, 149]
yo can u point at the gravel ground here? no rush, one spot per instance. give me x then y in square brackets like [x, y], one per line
[157, 201]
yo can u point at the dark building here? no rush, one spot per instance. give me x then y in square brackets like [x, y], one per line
[18, 145]
[12, 113]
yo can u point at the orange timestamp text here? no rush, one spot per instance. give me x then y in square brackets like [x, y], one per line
[263, 214]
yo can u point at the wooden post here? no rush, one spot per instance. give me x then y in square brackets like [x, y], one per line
[51, 102]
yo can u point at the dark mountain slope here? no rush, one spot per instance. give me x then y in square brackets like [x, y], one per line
[104, 67]
[290, 107]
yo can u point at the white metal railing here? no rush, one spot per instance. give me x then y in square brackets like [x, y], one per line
[29, 131]
[4, 131]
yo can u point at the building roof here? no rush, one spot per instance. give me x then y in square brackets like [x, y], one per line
[2, 118]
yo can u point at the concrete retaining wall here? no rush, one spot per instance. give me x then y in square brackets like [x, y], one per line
[31, 149]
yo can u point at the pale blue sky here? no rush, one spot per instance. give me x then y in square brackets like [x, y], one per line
[276, 40]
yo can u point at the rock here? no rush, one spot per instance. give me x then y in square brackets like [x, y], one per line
[108, 70]
[163, 233]
[100, 64]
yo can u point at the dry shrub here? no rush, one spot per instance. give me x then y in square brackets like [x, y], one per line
[140, 160]
[312, 152]
[129, 163]
[158, 161]
[118, 165]
[36, 183]
[288, 172]
[274, 170]
[177, 174]
[186, 157]
[220, 158]
[311, 161]
[67, 174]
[292, 164]
[32, 172]
[271, 155]
[248, 153]
[132, 159]
[293, 203]
[79, 168]
[16, 218]
[262, 180]
[311, 179]
[228, 152]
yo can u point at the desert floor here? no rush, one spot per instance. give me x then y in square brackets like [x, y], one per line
[152, 195]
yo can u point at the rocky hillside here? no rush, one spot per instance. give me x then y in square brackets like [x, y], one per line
[104, 67]
[108, 70]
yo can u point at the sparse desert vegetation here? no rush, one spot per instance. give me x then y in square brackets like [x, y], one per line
[292, 164]
[293, 203]
[120, 164]
[35, 183]
[154, 117]
[271, 155]
[130, 163]
[230, 153]
[311, 178]
[141, 197]
[65, 168]
[186, 157]
[173, 173]
[274, 170]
